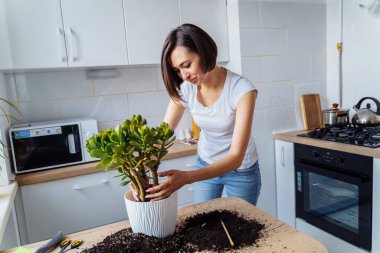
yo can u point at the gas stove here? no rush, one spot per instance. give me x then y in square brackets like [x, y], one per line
[367, 136]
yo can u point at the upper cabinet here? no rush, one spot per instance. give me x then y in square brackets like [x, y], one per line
[34, 36]
[43, 34]
[94, 32]
[210, 15]
[148, 22]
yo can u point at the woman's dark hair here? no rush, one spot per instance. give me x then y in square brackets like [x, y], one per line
[196, 41]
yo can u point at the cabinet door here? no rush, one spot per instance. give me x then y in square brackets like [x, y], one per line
[95, 34]
[72, 204]
[148, 22]
[285, 182]
[35, 34]
[186, 193]
[211, 16]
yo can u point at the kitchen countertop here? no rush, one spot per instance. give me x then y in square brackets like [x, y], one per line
[278, 236]
[177, 150]
[359, 150]
[7, 195]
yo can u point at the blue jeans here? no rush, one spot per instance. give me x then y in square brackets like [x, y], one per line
[244, 184]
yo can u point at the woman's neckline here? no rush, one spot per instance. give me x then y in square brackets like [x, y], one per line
[220, 95]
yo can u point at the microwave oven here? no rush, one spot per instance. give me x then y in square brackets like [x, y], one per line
[51, 144]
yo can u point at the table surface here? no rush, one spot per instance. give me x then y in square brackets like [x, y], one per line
[278, 236]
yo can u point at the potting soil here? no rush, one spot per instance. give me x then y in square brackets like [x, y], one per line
[203, 231]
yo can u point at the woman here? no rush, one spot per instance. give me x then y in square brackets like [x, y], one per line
[222, 105]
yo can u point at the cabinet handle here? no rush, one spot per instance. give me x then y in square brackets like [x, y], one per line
[73, 49]
[81, 187]
[62, 41]
[190, 164]
[190, 188]
[283, 156]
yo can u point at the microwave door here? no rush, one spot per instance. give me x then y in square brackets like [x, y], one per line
[47, 147]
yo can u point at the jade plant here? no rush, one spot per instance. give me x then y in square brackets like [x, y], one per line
[134, 150]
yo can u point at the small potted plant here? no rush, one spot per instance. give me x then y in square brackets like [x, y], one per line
[4, 113]
[135, 151]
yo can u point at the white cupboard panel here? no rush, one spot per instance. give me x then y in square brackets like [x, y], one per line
[147, 23]
[211, 16]
[35, 33]
[285, 182]
[186, 193]
[72, 204]
[95, 34]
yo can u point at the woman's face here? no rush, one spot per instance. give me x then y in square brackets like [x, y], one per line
[187, 65]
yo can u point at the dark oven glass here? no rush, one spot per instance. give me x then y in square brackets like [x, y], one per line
[334, 193]
[45, 147]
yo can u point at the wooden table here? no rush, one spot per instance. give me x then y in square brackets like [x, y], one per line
[278, 236]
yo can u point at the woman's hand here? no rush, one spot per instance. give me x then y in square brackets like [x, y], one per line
[135, 194]
[176, 179]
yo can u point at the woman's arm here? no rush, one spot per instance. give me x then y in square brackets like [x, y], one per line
[174, 113]
[242, 131]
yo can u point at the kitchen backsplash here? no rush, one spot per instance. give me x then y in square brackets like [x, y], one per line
[69, 94]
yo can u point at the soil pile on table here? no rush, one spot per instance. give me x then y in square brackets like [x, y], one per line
[203, 231]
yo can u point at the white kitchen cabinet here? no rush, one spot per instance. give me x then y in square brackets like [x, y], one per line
[41, 34]
[148, 22]
[72, 204]
[186, 193]
[211, 16]
[95, 34]
[5, 50]
[35, 36]
[285, 182]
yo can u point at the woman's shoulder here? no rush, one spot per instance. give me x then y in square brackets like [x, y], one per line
[237, 80]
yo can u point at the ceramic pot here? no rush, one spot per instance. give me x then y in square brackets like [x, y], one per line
[154, 218]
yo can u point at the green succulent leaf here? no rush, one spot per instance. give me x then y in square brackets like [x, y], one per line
[96, 153]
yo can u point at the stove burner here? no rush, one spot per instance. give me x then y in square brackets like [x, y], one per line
[368, 136]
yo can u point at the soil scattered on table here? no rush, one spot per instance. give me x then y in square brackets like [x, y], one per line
[203, 231]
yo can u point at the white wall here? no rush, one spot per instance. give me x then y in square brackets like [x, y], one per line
[361, 55]
[283, 46]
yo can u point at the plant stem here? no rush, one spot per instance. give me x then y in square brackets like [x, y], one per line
[141, 187]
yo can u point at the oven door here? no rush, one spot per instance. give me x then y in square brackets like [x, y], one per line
[336, 202]
[47, 147]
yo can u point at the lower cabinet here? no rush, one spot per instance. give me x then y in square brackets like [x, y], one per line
[83, 202]
[285, 182]
[185, 194]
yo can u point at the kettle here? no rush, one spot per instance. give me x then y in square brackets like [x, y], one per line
[366, 116]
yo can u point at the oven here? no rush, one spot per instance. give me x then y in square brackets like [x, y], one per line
[334, 192]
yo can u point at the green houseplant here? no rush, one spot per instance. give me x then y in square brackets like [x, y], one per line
[134, 150]
[4, 113]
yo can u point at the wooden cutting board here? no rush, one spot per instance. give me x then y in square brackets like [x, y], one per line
[311, 111]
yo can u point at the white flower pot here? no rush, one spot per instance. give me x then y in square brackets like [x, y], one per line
[154, 218]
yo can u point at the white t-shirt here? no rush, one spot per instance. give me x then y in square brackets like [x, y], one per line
[218, 120]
